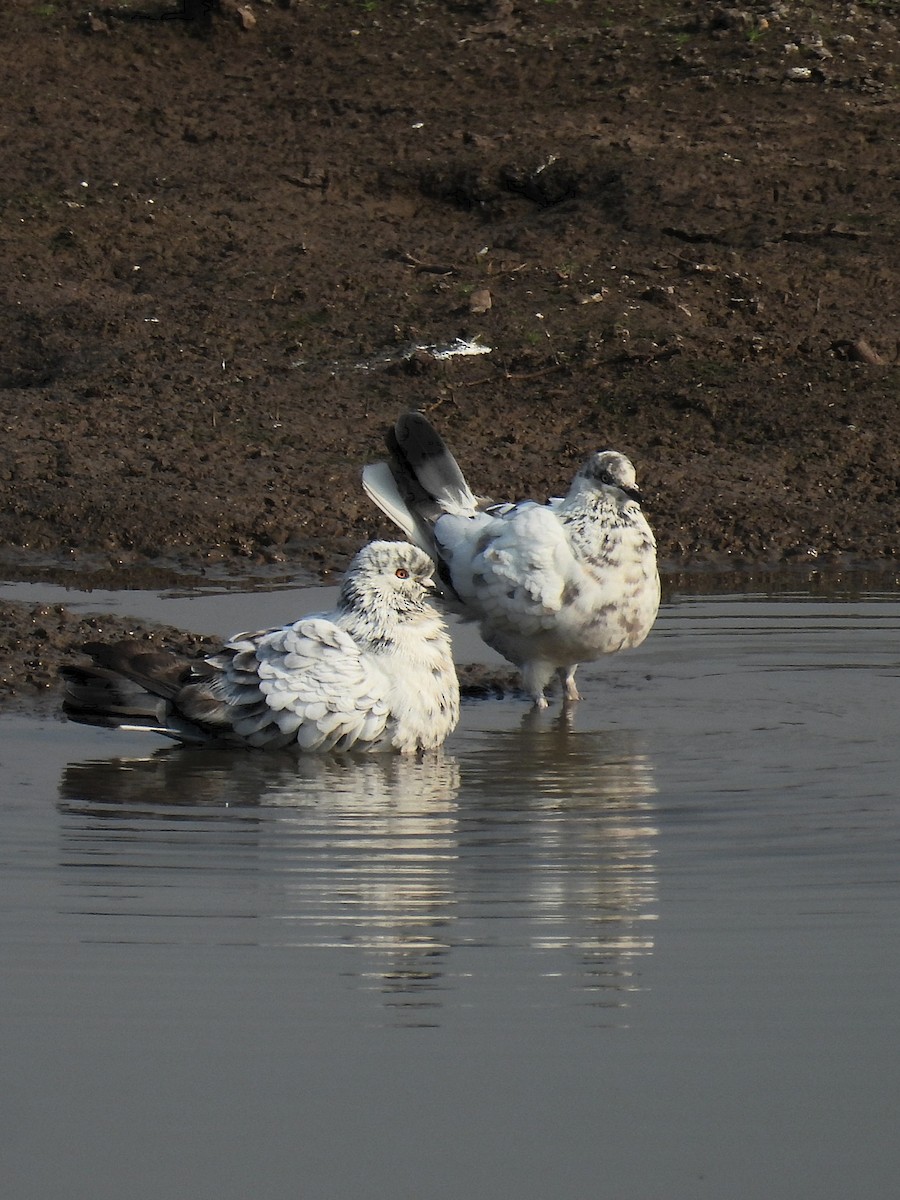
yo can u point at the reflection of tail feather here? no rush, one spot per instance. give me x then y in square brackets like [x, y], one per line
[232, 779]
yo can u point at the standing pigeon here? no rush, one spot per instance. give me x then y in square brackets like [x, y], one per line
[550, 585]
[375, 674]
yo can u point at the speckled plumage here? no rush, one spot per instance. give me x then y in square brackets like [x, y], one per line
[375, 674]
[550, 585]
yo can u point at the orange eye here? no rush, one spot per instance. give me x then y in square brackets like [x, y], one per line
[402, 573]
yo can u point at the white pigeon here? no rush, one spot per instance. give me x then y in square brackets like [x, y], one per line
[375, 674]
[550, 585]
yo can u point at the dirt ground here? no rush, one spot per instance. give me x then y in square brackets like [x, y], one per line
[234, 239]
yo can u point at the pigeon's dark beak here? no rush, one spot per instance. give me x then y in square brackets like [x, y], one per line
[633, 494]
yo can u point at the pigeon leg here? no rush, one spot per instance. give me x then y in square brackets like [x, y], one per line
[535, 677]
[567, 679]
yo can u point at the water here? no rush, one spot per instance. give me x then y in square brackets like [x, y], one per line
[650, 954]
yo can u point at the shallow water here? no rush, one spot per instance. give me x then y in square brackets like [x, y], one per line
[648, 954]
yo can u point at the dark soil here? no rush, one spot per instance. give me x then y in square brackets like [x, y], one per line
[225, 229]
[34, 639]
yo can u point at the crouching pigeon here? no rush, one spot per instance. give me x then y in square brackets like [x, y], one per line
[375, 674]
[550, 585]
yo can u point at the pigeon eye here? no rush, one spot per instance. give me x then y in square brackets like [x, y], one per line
[402, 573]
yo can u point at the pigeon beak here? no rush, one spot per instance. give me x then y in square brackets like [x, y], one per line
[427, 582]
[633, 494]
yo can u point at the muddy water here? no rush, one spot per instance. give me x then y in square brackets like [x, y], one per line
[650, 953]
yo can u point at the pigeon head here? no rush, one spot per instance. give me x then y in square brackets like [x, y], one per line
[398, 572]
[607, 470]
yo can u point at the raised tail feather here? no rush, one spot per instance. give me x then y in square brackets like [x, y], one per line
[420, 482]
[422, 455]
[380, 485]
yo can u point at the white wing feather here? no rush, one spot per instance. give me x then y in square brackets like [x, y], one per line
[515, 564]
[314, 683]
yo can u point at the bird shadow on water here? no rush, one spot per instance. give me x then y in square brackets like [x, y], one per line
[533, 846]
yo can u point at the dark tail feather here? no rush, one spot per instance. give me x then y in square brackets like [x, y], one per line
[160, 672]
[97, 696]
[425, 469]
[128, 686]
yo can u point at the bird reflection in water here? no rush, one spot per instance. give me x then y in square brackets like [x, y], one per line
[539, 841]
[566, 851]
[342, 851]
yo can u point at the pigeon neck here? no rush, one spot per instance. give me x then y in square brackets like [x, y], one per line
[587, 499]
[368, 612]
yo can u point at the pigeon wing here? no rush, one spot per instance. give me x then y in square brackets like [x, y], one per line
[307, 683]
[514, 565]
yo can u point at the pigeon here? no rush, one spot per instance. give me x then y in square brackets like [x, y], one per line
[550, 585]
[377, 673]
